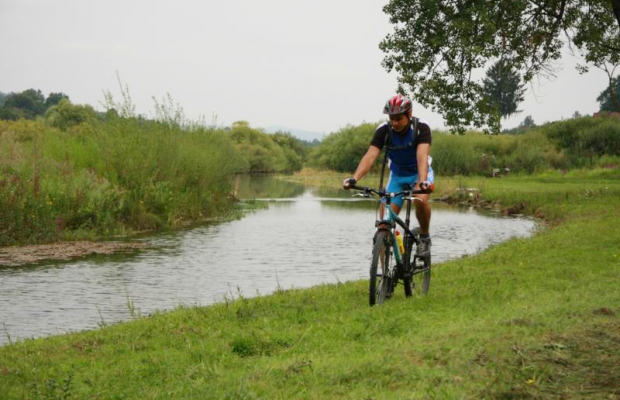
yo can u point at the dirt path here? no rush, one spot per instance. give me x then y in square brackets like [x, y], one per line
[23, 255]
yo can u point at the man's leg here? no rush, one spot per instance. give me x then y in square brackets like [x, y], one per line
[423, 213]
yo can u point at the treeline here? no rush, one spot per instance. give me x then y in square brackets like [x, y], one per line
[28, 104]
[74, 173]
[575, 143]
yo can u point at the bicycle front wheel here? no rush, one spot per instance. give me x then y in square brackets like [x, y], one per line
[380, 280]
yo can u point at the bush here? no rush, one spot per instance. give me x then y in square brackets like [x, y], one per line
[65, 115]
[341, 151]
[585, 139]
[264, 152]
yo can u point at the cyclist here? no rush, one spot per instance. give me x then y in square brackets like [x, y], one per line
[408, 140]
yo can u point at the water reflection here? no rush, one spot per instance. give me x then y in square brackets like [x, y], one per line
[303, 238]
[263, 186]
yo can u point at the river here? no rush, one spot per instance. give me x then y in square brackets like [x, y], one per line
[303, 237]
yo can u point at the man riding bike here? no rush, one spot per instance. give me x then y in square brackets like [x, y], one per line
[408, 140]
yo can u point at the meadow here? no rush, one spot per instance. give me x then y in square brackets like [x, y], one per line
[529, 318]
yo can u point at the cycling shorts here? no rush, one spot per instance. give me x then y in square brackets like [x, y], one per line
[397, 183]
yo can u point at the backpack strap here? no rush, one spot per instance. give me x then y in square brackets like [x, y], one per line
[414, 137]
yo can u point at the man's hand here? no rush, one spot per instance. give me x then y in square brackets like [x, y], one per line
[347, 183]
[428, 186]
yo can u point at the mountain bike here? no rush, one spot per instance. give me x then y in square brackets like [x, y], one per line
[389, 264]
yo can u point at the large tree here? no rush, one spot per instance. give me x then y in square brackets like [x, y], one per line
[503, 88]
[440, 48]
[54, 99]
[609, 99]
[27, 104]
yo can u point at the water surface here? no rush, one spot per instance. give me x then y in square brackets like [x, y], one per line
[302, 238]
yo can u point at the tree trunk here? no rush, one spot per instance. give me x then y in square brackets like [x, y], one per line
[616, 6]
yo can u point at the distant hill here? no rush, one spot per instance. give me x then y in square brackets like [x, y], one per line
[298, 133]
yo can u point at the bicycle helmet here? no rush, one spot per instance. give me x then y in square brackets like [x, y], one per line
[398, 104]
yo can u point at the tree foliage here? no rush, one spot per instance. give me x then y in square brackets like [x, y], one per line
[65, 115]
[28, 104]
[528, 122]
[439, 48]
[264, 152]
[504, 89]
[341, 151]
[609, 99]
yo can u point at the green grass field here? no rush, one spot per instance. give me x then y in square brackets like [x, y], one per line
[535, 318]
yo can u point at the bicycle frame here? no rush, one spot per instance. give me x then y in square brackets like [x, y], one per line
[394, 219]
[385, 275]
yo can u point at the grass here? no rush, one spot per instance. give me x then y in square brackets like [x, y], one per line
[110, 179]
[533, 318]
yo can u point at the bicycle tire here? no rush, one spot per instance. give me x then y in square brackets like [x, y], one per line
[380, 284]
[421, 279]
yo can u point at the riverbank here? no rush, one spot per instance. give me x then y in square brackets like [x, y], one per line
[529, 318]
[13, 256]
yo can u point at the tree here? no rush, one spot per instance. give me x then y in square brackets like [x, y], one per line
[609, 99]
[65, 115]
[504, 89]
[27, 104]
[439, 47]
[54, 98]
[528, 122]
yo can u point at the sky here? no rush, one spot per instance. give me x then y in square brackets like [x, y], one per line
[308, 65]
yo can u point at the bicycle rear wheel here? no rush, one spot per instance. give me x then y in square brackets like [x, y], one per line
[421, 279]
[380, 282]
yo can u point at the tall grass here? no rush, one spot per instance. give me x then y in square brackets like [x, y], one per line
[110, 178]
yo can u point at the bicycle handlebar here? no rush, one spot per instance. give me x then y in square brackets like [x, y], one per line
[382, 193]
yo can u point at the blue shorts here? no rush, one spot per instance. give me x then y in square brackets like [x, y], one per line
[397, 183]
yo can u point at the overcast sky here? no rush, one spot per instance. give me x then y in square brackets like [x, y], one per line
[313, 65]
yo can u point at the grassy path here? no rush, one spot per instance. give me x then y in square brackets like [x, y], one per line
[529, 318]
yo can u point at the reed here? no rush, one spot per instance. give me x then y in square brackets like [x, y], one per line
[111, 178]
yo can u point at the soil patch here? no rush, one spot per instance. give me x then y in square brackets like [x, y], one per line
[22, 255]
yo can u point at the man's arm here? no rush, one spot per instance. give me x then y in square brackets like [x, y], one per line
[367, 162]
[422, 153]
